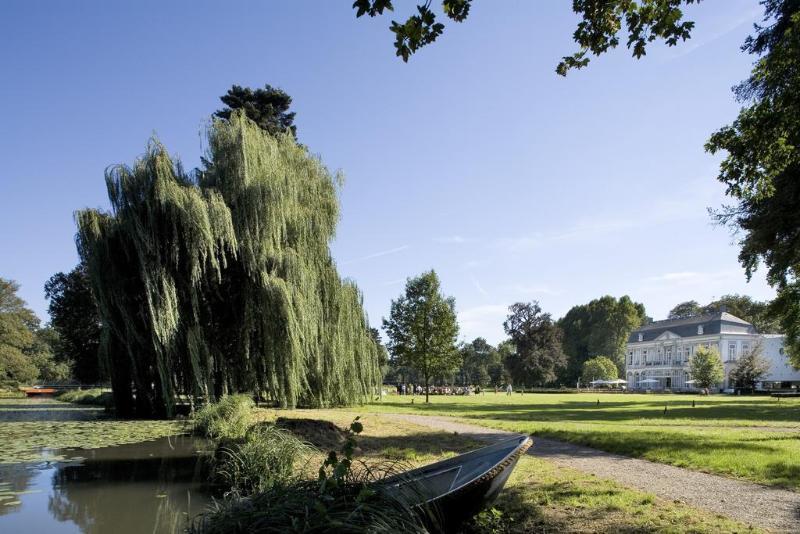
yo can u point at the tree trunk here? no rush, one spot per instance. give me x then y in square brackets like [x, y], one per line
[427, 389]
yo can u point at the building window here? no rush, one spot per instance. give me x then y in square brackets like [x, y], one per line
[745, 349]
[732, 351]
[641, 337]
[699, 330]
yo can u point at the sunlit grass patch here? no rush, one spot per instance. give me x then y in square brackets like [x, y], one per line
[754, 438]
[543, 497]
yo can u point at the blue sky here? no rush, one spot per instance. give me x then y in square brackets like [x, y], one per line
[474, 159]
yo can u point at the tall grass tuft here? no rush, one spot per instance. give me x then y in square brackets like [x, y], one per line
[228, 419]
[265, 458]
[344, 498]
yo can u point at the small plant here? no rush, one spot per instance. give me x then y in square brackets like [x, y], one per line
[228, 419]
[489, 521]
[265, 458]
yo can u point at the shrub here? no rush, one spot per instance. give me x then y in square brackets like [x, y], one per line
[93, 397]
[266, 457]
[228, 419]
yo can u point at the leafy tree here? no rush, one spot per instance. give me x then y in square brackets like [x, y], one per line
[383, 354]
[537, 340]
[26, 352]
[51, 369]
[267, 107]
[76, 320]
[706, 367]
[477, 357]
[641, 22]
[600, 327]
[686, 309]
[745, 307]
[224, 282]
[761, 169]
[742, 306]
[17, 326]
[750, 368]
[598, 368]
[422, 329]
[498, 372]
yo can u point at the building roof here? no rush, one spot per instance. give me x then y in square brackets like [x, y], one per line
[712, 323]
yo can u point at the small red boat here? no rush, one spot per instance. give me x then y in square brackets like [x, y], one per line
[38, 391]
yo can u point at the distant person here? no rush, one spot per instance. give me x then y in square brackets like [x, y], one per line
[509, 390]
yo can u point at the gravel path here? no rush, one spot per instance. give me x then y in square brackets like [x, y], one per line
[775, 509]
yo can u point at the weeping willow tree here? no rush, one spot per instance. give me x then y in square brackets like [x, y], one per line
[222, 281]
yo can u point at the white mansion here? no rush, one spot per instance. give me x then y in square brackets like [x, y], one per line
[658, 353]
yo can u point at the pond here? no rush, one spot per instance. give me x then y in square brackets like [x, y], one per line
[151, 486]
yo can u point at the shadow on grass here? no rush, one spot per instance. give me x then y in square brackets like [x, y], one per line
[674, 445]
[391, 442]
[615, 411]
[785, 474]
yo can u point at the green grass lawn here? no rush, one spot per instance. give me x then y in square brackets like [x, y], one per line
[756, 438]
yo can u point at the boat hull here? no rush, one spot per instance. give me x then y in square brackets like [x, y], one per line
[450, 492]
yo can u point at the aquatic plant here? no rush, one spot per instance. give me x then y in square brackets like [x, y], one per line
[228, 419]
[222, 281]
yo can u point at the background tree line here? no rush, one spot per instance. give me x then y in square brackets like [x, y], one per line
[587, 344]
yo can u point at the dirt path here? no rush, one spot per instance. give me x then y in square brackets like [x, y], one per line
[774, 509]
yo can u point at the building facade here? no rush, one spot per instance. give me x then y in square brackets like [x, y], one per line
[658, 354]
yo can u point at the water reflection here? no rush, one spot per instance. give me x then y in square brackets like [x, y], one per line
[145, 487]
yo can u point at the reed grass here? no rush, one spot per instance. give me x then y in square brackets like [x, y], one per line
[268, 456]
[228, 419]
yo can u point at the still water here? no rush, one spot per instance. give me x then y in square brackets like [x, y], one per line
[150, 487]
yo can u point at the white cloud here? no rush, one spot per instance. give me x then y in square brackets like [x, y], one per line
[452, 239]
[519, 244]
[478, 286]
[694, 278]
[724, 26]
[483, 321]
[663, 212]
[377, 254]
[542, 289]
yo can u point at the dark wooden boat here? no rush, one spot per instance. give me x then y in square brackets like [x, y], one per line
[450, 492]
